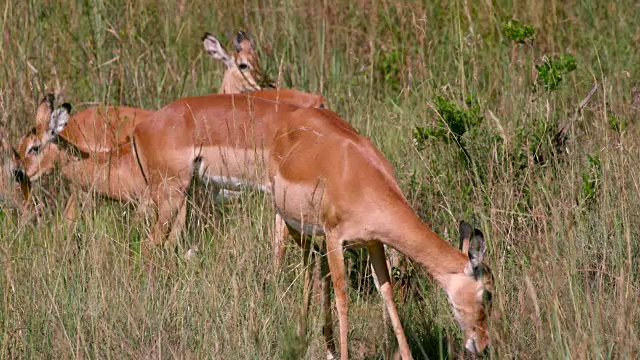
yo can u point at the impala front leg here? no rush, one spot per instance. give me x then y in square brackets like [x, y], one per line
[77, 171]
[70, 208]
[379, 263]
[179, 223]
[278, 242]
[169, 201]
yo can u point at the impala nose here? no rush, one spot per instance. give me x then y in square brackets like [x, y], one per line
[485, 352]
[20, 176]
[472, 348]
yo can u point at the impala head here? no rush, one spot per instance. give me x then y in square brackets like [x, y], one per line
[470, 292]
[242, 72]
[12, 177]
[37, 150]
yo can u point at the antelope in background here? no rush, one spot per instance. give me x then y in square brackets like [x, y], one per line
[243, 73]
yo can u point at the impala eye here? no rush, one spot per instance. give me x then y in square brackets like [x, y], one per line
[243, 66]
[34, 150]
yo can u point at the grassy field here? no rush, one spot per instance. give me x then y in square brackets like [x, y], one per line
[461, 110]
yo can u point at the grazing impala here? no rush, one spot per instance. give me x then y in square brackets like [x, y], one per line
[324, 178]
[92, 134]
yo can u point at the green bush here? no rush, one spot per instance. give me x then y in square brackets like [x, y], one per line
[518, 32]
[552, 71]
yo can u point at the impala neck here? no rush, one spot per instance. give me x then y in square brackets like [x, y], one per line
[65, 153]
[414, 239]
[68, 151]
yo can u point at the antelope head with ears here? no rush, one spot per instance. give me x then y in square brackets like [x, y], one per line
[471, 311]
[38, 150]
[242, 72]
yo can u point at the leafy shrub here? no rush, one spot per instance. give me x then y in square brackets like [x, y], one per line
[453, 121]
[389, 69]
[616, 124]
[552, 71]
[531, 146]
[518, 32]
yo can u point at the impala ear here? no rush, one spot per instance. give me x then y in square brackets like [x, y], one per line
[477, 248]
[465, 236]
[59, 119]
[243, 42]
[44, 110]
[214, 49]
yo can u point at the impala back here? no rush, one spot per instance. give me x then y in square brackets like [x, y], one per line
[225, 138]
[101, 129]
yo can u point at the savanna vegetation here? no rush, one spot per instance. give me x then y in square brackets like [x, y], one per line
[519, 116]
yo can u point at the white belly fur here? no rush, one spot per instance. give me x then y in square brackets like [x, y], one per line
[299, 204]
[226, 182]
[233, 184]
[232, 169]
[303, 227]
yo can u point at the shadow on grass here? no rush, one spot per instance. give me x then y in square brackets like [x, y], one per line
[427, 340]
[296, 347]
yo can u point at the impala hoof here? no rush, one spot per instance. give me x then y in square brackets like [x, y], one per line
[191, 254]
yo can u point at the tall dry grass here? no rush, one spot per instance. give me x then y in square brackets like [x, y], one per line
[561, 230]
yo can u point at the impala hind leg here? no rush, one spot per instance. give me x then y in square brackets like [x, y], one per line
[379, 263]
[335, 258]
[278, 243]
[306, 293]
